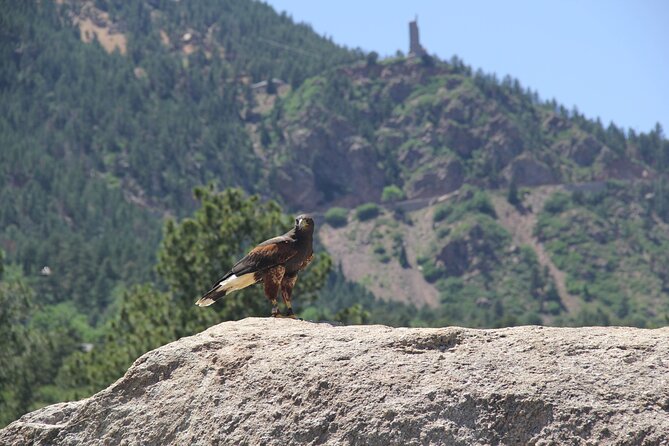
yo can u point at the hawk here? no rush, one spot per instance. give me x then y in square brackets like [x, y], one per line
[274, 262]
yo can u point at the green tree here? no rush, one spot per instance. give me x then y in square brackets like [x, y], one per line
[196, 251]
[271, 86]
[13, 344]
[23, 352]
[372, 58]
[355, 314]
[512, 197]
[199, 250]
[35, 338]
[145, 319]
[193, 255]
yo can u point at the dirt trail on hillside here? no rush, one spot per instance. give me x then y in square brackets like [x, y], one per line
[521, 226]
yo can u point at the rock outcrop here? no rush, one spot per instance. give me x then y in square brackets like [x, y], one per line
[277, 382]
[443, 178]
[328, 164]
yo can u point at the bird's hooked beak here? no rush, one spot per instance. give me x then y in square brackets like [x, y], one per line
[302, 223]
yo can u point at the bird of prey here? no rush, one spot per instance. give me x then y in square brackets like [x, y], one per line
[274, 262]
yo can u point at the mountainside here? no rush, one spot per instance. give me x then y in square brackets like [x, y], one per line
[429, 127]
[463, 262]
[97, 147]
[113, 137]
[588, 254]
[613, 245]
[430, 131]
[322, 384]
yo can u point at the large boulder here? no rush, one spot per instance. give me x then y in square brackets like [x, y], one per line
[442, 178]
[278, 382]
[328, 165]
[528, 171]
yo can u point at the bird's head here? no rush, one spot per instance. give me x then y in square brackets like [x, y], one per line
[304, 222]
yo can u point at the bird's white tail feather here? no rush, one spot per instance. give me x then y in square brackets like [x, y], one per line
[232, 283]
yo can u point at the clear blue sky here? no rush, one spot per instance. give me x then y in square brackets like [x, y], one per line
[610, 58]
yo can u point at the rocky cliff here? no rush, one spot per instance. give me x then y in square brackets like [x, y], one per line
[276, 382]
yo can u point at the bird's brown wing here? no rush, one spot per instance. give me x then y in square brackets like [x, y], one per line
[253, 267]
[268, 254]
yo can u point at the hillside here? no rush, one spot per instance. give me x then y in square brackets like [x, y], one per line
[433, 131]
[323, 384]
[612, 244]
[429, 127]
[588, 254]
[164, 103]
[458, 253]
[99, 147]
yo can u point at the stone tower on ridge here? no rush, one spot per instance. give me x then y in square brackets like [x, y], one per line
[415, 48]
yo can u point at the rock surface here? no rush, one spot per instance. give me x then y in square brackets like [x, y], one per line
[276, 382]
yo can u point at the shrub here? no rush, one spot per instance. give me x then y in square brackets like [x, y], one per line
[480, 202]
[379, 249]
[443, 231]
[336, 217]
[578, 197]
[441, 212]
[380, 253]
[402, 257]
[427, 61]
[552, 307]
[431, 272]
[557, 203]
[367, 211]
[392, 193]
